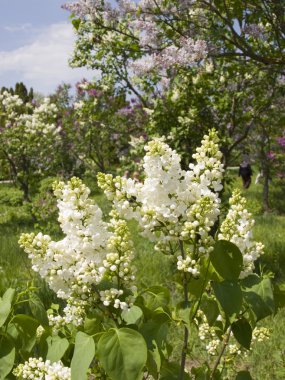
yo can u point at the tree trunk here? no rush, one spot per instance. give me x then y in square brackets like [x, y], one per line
[25, 187]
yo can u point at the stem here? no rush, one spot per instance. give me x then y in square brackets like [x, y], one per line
[202, 291]
[186, 331]
[226, 341]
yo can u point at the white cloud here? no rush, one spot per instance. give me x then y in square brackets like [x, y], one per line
[18, 28]
[42, 64]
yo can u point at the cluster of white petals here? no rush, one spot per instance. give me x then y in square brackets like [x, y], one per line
[213, 344]
[92, 250]
[37, 369]
[10, 103]
[237, 228]
[188, 265]
[37, 122]
[260, 334]
[234, 349]
[172, 204]
[30, 122]
[110, 297]
[74, 312]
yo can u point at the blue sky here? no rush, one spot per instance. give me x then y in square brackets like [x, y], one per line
[36, 39]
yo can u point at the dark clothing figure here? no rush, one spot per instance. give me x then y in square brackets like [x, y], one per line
[245, 172]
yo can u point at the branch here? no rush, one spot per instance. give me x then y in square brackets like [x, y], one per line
[226, 341]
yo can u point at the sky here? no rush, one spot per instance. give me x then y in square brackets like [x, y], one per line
[36, 40]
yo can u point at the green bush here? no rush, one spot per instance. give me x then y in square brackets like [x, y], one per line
[44, 208]
[10, 196]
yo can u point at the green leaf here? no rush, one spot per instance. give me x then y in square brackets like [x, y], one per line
[197, 285]
[242, 332]
[160, 316]
[92, 326]
[158, 296]
[7, 356]
[243, 375]
[227, 260]
[171, 371]
[84, 352]
[201, 373]
[260, 298]
[279, 295]
[251, 280]
[123, 354]
[76, 23]
[56, 348]
[5, 305]
[183, 311]
[26, 327]
[155, 335]
[154, 332]
[9, 295]
[210, 308]
[229, 295]
[154, 361]
[133, 315]
[38, 310]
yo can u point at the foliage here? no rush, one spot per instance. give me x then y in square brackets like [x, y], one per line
[10, 196]
[104, 122]
[127, 328]
[24, 129]
[192, 65]
[44, 207]
[20, 90]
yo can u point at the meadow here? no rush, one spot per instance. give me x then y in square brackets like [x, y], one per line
[266, 362]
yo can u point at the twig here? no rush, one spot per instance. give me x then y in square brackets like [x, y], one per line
[226, 341]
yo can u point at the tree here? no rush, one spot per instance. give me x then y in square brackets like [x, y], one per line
[29, 134]
[191, 64]
[96, 126]
[21, 90]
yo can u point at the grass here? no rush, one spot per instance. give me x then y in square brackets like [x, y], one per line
[266, 362]
[269, 227]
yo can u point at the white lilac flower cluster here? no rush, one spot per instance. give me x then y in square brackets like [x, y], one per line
[172, 204]
[234, 349]
[213, 346]
[237, 228]
[208, 336]
[92, 250]
[188, 265]
[37, 369]
[117, 262]
[74, 313]
[10, 104]
[42, 120]
[110, 297]
[29, 121]
[260, 334]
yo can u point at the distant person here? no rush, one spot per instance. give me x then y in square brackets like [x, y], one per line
[126, 174]
[136, 176]
[245, 172]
